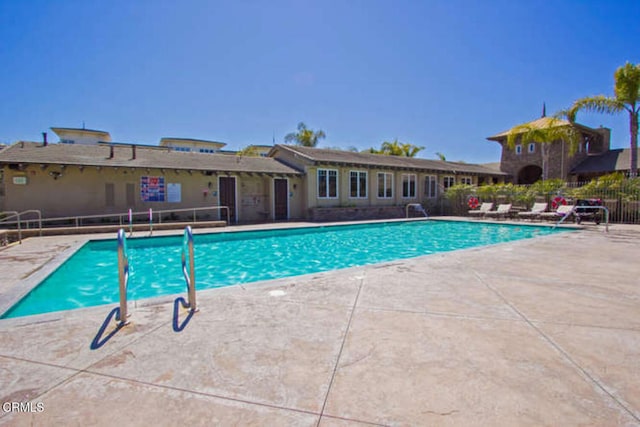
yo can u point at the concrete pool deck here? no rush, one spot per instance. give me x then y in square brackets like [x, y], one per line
[544, 331]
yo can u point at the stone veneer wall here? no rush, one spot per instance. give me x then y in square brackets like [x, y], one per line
[356, 213]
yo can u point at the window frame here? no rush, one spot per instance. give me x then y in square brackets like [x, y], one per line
[518, 149]
[531, 148]
[431, 183]
[445, 182]
[386, 185]
[327, 180]
[406, 189]
[359, 174]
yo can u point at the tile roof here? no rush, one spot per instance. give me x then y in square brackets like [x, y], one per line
[146, 157]
[610, 161]
[321, 155]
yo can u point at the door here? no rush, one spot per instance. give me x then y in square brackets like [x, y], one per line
[227, 186]
[281, 199]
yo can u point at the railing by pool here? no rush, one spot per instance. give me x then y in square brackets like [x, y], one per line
[6, 216]
[418, 207]
[16, 220]
[123, 277]
[190, 272]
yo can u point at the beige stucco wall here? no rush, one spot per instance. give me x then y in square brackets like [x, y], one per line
[82, 191]
[372, 199]
[79, 136]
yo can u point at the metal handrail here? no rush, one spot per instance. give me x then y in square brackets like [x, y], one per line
[123, 216]
[418, 207]
[194, 212]
[123, 277]
[189, 273]
[573, 211]
[18, 221]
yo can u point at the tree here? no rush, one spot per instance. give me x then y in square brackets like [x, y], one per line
[305, 137]
[441, 156]
[396, 148]
[546, 131]
[249, 151]
[626, 98]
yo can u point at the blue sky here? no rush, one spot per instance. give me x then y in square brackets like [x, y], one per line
[440, 74]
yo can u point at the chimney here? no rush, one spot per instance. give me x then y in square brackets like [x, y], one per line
[44, 139]
[111, 151]
[133, 151]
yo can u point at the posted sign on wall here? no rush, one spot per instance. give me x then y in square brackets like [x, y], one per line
[152, 189]
[174, 193]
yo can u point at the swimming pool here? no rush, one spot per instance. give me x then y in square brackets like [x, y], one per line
[90, 276]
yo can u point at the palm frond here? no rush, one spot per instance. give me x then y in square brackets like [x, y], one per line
[627, 86]
[597, 104]
[554, 130]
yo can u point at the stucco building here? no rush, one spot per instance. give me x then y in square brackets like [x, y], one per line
[67, 179]
[85, 173]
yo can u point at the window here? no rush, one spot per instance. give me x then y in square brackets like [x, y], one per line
[67, 141]
[466, 180]
[518, 149]
[327, 184]
[184, 149]
[358, 184]
[385, 185]
[431, 186]
[449, 181]
[109, 194]
[409, 185]
[532, 147]
[207, 150]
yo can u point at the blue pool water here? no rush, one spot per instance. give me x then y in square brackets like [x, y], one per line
[90, 276]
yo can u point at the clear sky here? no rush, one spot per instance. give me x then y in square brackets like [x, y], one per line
[443, 74]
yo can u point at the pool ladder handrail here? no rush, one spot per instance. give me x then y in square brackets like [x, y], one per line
[123, 277]
[190, 273]
[418, 207]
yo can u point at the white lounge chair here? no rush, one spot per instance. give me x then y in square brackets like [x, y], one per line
[484, 208]
[534, 213]
[503, 210]
[562, 211]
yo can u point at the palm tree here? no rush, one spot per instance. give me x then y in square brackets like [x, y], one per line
[393, 148]
[545, 131]
[249, 151]
[441, 156]
[305, 137]
[396, 148]
[626, 97]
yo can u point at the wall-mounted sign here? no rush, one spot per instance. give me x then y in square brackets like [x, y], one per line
[20, 180]
[174, 193]
[152, 189]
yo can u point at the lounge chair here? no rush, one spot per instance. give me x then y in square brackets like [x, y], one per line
[535, 212]
[484, 208]
[503, 210]
[558, 214]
